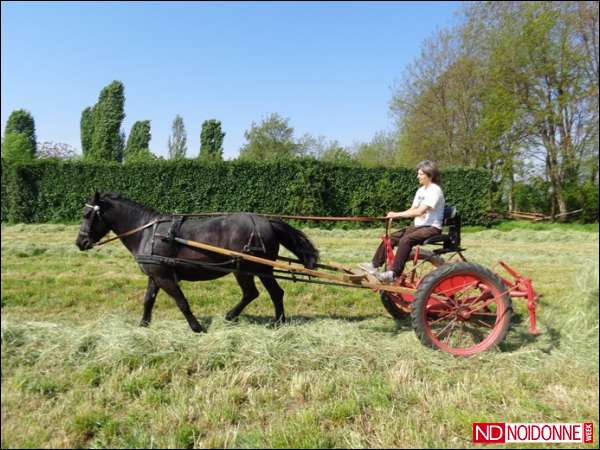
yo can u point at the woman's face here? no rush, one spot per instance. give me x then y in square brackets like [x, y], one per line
[423, 178]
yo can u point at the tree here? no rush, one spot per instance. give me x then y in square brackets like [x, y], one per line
[16, 147]
[515, 83]
[138, 140]
[120, 153]
[178, 146]
[56, 150]
[272, 139]
[20, 122]
[323, 150]
[336, 154]
[108, 115]
[439, 105]
[211, 141]
[86, 127]
[143, 155]
[554, 87]
[381, 151]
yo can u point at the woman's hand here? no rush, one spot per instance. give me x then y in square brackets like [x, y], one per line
[393, 215]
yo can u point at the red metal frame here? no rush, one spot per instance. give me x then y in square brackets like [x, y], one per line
[520, 287]
[523, 288]
[389, 251]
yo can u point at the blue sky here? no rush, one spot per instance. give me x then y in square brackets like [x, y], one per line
[328, 67]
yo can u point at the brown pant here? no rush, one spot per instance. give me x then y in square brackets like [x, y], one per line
[405, 240]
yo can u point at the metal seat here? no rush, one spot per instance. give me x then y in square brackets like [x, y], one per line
[450, 242]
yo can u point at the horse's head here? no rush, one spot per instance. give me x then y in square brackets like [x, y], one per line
[94, 226]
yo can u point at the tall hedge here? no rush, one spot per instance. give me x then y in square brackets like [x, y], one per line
[55, 191]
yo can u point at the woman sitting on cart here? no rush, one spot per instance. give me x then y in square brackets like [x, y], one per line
[428, 211]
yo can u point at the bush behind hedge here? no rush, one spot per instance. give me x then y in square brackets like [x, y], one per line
[55, 191]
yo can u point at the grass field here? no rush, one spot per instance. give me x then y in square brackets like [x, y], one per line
[77, 371]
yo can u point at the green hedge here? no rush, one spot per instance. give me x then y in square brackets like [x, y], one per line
[55, 191]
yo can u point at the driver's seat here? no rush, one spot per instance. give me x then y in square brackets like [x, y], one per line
[450, 241]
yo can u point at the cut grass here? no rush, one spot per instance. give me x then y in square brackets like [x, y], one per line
[78, 372]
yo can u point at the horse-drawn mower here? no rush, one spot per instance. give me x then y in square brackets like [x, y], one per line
[457, 306]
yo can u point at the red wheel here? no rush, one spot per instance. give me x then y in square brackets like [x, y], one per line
[399, 305]
[461, 308]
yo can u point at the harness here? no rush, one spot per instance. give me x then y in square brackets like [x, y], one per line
[248, 248]
[172, 235]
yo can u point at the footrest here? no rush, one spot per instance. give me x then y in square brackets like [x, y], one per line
[372, 278]
[348, 269]
[356, 277]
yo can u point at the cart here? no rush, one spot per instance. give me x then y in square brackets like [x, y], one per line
[454, 305]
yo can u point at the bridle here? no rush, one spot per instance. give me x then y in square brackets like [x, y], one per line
[88, 226]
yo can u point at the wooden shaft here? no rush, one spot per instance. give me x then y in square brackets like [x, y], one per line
[388, 227]
[294, 268]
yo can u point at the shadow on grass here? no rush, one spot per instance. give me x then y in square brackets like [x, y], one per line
[519, 337]
[300, 319]
[388, 325]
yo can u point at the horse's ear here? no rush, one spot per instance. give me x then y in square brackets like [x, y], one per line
[96, 197]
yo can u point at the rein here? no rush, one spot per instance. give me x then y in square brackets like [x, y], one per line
[208, 214]
[128, 233]
[316, 218]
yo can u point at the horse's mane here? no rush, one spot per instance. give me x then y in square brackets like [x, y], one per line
[137, 207]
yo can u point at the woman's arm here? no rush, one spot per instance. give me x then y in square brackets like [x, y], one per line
[409, 213]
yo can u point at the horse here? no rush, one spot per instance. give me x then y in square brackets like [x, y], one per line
[150, 237]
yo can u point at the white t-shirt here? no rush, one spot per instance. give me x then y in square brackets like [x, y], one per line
[434, 198]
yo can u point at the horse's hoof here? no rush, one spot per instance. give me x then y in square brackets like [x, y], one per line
[276, 323]
[198, 329]
[144, 324]
[231, 318]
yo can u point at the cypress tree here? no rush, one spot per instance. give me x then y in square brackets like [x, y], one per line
[20, 122]
[121, 146]
[138, 140]
[108, 116]
[178, 145]
[86, 127]
[211, 141]
[16, 147]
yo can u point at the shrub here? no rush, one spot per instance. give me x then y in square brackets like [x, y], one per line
[55, 191]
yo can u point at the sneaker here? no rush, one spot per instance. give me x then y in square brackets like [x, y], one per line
[368, 267]
[386, 277]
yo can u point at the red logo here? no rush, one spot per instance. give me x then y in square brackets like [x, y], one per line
[488, 433]
[588, 433]
[502, 433]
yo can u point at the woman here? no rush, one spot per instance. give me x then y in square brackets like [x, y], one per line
[428, 211]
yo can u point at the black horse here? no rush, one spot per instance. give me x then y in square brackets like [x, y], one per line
[165, 261]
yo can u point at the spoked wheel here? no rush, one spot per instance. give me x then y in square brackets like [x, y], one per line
[461, 308]
[399, 305]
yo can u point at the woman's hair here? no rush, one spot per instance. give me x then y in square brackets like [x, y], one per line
[430, 169]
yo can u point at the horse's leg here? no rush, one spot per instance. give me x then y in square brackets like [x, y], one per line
[151, 293]
[171, 287]
[249, 293]
[276, 294]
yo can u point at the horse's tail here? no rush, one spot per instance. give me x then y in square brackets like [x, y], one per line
[296, 242]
